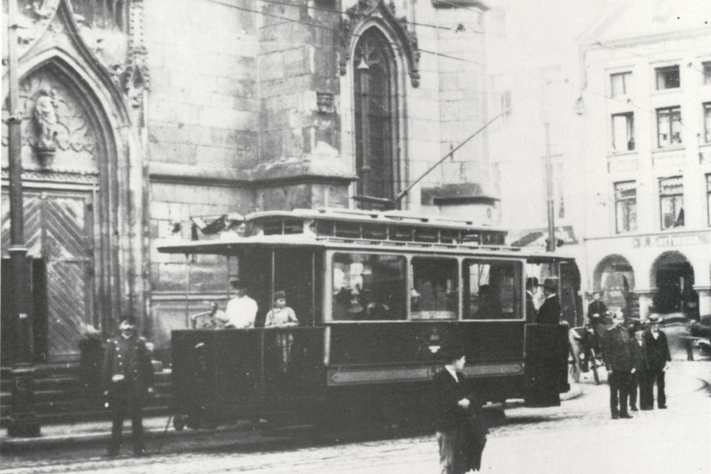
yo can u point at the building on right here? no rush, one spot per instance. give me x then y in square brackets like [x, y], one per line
[646, 155]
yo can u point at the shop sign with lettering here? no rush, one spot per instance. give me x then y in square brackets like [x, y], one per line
[671, 240]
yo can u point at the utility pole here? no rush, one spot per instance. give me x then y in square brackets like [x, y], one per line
[551, 242]
[23, 421]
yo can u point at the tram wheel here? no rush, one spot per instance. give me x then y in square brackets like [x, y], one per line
[179, 422]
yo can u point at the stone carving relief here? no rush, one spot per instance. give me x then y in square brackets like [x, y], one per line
[377, 10]
[54, 123]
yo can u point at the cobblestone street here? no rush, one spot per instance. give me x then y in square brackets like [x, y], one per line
[577, 437]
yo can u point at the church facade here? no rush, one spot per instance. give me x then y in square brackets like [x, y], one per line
[141, 116]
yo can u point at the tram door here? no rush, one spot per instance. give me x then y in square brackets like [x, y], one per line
[546, 349]
[293, 356]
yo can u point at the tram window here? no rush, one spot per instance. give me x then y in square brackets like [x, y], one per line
[435, 292]
[492, 289]
[368, 287]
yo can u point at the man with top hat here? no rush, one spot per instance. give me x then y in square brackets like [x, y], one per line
[127, 380]
[549, 312]
[658, 359]
[617, 353]
[241, 310]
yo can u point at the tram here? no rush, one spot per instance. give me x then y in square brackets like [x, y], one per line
[377, 295]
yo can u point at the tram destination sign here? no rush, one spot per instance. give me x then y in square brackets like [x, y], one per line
[671, 240]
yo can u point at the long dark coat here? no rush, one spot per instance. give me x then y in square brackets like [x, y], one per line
[448, 415]
[129, 357]
[468, 423]
[616, 349]
[657, 351]
[639, 355]
[549, 312]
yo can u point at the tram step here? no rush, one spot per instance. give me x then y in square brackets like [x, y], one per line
[89, 415]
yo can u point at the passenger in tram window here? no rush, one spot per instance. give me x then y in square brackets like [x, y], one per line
[489, 307]
[241, 310]
[549, 312]
[376, 309]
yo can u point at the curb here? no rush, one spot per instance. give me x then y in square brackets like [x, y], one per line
[16, 445]
[575, 392]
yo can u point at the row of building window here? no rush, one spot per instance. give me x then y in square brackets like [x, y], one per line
[667, 77]
[671, 203]
[669, 126]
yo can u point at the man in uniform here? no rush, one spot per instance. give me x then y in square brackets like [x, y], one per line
[241, 310]
[618, 360]
[658, 359]
[127, 379]
[549, 312]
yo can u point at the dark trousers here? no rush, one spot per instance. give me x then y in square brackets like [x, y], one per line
[124, 407]
[658, 377]
[619, 382]
[638, 384]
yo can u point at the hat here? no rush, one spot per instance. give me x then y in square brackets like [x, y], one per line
[278, 295]
[551, 284]
[653, 320]
[453, 351]
[129, 318]
[531, 282]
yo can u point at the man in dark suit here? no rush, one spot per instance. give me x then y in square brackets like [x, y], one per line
[638, 377]
[127, 380]
[658, 359]
[549, 312]
[619, 363]
[451, 404]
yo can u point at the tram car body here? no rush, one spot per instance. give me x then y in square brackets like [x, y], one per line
[377, 296]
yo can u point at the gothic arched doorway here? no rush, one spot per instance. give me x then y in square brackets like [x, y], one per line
[69, 199]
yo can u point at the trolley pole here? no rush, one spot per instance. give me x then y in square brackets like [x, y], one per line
[551, 242]
[23, 420]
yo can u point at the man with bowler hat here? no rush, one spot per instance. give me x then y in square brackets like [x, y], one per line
[549, 312]
[658, 359]
[241, 310]
[127, 379]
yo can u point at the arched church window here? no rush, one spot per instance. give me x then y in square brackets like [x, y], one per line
[102, 13]
[376, 121]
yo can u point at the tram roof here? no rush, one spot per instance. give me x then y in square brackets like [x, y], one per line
[230, 244]
[385, 217]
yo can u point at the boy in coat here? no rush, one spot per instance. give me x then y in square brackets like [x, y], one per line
[638, 377]
[618, 360]
[451, 404]
[658, 359]
[127, 379]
